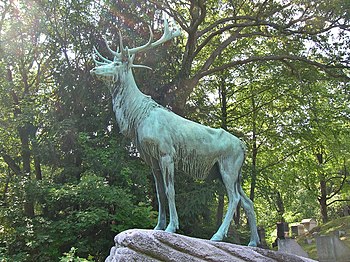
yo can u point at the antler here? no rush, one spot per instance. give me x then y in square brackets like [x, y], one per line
[106, 61]
[115, 53]
[167, 35]
[126, 53]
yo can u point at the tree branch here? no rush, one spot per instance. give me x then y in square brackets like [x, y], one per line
[223, 21]
[284, 158]
[339, 188]
[11, 163]
[173, 13]
[205, 72]
[338, 200]
[198, 15]
[219, 49]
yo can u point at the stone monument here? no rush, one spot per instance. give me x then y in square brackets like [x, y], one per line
[332, 249]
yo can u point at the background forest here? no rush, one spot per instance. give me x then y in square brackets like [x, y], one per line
[273, 72]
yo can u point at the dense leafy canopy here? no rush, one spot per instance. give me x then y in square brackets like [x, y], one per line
[274, 73]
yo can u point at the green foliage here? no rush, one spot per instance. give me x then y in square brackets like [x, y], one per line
[68, 179]
[86, 215]
[71, 257]
[196, 206]
[283, 120]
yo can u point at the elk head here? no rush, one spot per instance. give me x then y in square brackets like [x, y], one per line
[114, 70]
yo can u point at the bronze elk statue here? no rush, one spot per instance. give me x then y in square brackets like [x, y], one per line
[168, 142]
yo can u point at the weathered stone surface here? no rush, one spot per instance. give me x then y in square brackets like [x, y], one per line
[332, 249]
[151, 245]
[291, 246]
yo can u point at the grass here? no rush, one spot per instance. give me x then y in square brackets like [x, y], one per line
[327, 229]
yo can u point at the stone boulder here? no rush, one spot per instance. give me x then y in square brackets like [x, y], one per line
[151, 245]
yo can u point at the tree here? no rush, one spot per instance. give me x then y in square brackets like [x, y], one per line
[327, 116]
[272, 106]
[211, 33]
[25, 64]
[291, 35]
[267, 71]
[61, 160]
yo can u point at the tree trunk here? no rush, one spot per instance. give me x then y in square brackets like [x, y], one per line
[36, 156]
[24, 134]
[4, 199]
[254, 153]
[220, 209]
[223, 103]
[37, 167]
[176, 94]
[253, 173]
[280, 206]
[237, 215]
[323, 200]
[24, 137]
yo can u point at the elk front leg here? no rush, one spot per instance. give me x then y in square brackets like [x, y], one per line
[167, 169]
[158, 179]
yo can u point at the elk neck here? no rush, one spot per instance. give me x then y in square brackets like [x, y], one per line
[130, 105]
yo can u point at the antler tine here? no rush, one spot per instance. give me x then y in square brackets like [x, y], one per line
[98, 62]
[167, 35]
[100, 56]
[123, 51]
[115, 53]
[145, 46]
[120, 41]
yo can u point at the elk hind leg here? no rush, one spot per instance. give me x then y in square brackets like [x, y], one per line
[248, 206]
[230, 182]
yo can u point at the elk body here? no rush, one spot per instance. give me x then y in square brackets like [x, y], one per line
[168, 142]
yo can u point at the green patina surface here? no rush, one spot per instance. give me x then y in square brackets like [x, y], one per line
[168, 142]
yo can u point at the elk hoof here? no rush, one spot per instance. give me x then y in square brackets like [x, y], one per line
[170, 229]
[216, 237]
[159, 227]
[253, 244]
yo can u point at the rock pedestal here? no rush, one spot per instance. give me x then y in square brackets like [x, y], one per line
[151, 245]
